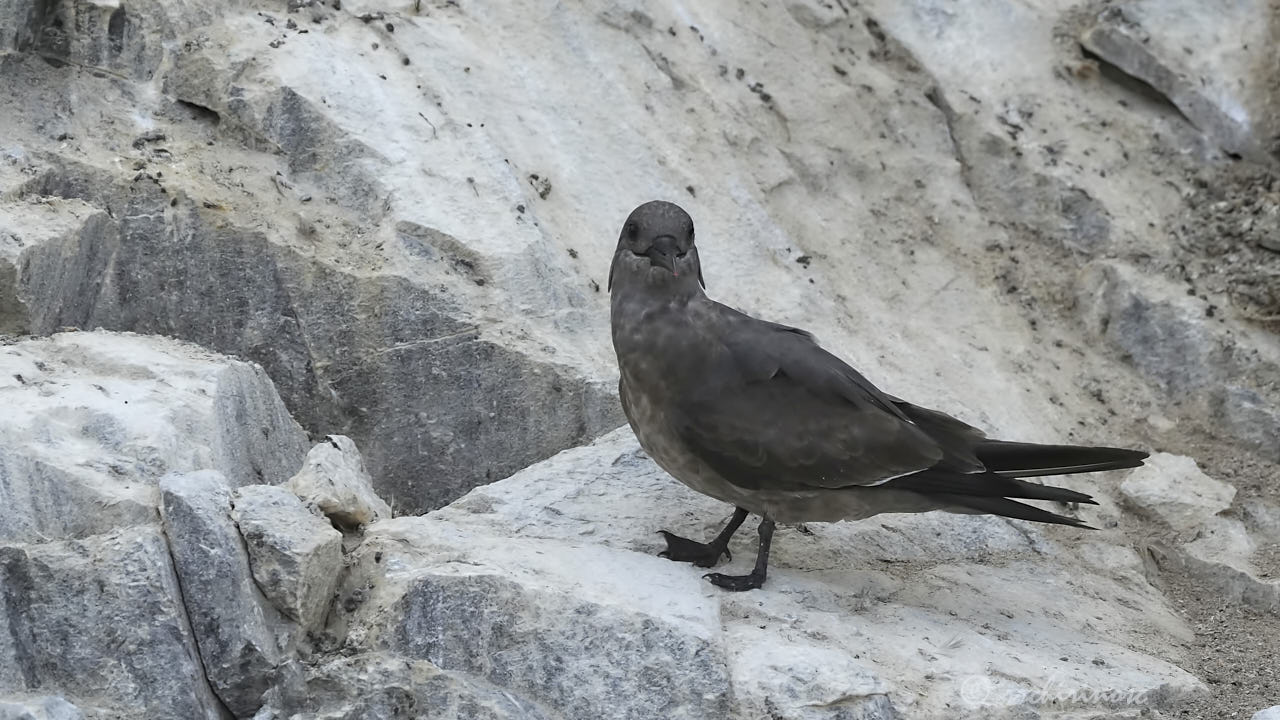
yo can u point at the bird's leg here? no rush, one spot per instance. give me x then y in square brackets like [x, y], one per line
[703, 554]
[755, 578]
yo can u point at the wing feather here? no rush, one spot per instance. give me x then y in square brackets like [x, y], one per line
[779, 412]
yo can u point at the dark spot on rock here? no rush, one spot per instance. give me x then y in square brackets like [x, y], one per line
[541, 185]
[573, 253]
[804, 260]
[115, 31]
[689, 189]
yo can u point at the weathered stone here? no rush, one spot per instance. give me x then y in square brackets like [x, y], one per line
[380, 686]
[1170, 336]
[95, 419]
[435, 399]
[101, 622]
[1159, 328]
[334, 481]
[238, 634]
[1249, 417]
[547, 585]
[1204, 59]
[44, 708]
[107, 36]
[296, 557]
[1271, 713]
[1219, 563]
[1173, 489]
[879, 172]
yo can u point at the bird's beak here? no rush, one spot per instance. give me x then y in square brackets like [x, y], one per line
[663, 253]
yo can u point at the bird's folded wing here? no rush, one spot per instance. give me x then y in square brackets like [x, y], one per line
[785, 414]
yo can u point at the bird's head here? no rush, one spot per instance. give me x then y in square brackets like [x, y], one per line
[656, 245]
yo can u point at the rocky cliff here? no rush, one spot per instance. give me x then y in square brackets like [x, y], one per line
[278, 279]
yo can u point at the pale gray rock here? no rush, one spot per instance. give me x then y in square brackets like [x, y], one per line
[1218, 552]
[101, 622]
[1173, 489]
[1271, 713]
[238, 633]
[124, 40]
[417, 379]
[381, 686]
[546, 584]
[1204, 59]
[1159, 327]
[1219, 561]
[1169, 336]
[295, 555]
[333, 480]
[1262, 518]
[94, 420]
[49, 707]
[1251, 418]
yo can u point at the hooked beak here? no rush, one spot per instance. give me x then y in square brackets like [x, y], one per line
[663, 253]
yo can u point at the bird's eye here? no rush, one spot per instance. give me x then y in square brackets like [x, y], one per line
[631, 229]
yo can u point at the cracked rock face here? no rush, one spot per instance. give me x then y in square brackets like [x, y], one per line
[395, 224]
[96, 419]
[520, 585]
[101, 620]
[295, 555]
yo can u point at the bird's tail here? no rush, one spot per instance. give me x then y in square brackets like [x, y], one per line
[1008, 508]
[1018, 460]
[990, 492]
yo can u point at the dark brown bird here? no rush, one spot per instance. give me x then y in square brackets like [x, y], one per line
[757, 415]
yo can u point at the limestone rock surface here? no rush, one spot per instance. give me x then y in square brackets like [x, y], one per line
[548, 585]
[296, 556]
[333, 480]
[95, 419]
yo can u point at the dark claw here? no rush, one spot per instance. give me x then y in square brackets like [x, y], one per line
[736, 583]
[685, 550]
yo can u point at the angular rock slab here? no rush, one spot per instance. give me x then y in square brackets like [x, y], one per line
[93, 419]
[1172, 488]
[100, 621]
[1212, 61]
[380, 686]
[1169, 337]
[547, 584]
[333, 480]
[296, 556]
[238, 633]
[44, 708]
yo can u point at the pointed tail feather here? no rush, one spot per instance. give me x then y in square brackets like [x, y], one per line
[1010, 509]
[1016, 460]
[988, 484]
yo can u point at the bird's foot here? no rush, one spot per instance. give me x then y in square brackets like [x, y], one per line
[690, 551]
[736, 583]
